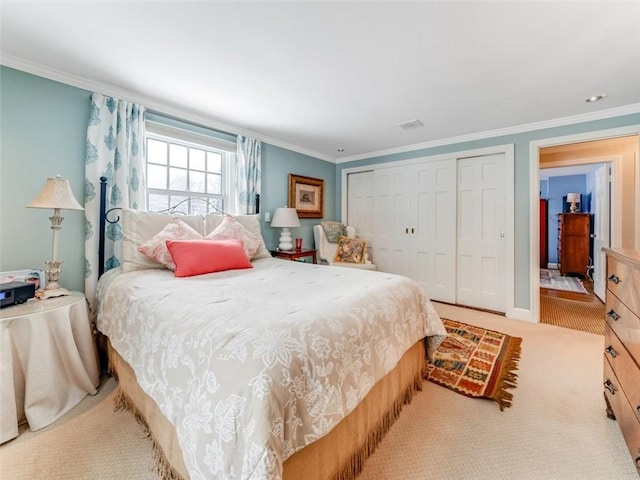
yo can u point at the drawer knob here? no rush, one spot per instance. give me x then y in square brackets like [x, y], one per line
[609, 386]
[638, 462]
[638, 408]
[613, 315]
[611, 351]
[613, 278]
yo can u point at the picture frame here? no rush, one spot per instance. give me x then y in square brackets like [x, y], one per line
[306, 195]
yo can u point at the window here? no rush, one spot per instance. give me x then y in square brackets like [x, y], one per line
[188, 167]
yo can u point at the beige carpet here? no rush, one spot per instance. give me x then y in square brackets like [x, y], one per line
[555, 430]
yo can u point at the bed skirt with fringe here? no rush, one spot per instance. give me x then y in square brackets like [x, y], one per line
[339, 455]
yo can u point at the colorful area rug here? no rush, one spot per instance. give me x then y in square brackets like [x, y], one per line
[553, 280]
[477, 362]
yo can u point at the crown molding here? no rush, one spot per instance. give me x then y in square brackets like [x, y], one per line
[558, 122]
[211, 122]
[149, 103]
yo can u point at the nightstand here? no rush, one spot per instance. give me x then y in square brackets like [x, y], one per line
[295, 254]
[48, 361]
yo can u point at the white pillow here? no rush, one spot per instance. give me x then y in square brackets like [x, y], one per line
[156, 248]
[139, 227]
[230, 229]
[250, 222]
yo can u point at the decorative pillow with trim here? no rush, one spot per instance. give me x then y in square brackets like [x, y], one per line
[250, 222]
[156, 247]
[138, 227]
[197, 257]
[230, 228]
[351, 250]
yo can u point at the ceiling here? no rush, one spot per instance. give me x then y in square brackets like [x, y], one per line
[333, 79]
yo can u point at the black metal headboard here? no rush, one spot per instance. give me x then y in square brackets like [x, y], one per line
[104, 214]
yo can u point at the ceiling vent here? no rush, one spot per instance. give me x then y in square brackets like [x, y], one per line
[411, 124]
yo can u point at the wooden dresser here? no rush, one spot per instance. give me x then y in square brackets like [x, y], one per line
[573, 242]
[622, 345]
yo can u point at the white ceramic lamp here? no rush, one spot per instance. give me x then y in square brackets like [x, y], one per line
[573, 198]
[285, 218]
[55, 194]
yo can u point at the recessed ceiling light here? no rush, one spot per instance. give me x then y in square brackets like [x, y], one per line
[595, 98]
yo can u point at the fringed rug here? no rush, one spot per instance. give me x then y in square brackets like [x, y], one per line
[477, 362]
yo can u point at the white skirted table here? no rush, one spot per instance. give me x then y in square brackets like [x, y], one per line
[48, 361]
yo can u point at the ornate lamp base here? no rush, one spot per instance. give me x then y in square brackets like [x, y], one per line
[53, 292]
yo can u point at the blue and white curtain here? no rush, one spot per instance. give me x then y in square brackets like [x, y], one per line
[248, 171]
[115, 150]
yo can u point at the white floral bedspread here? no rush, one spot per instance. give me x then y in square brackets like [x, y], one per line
[252, 365]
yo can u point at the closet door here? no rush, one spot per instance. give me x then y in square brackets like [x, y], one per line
[481, 256]
[360, 213]
[390, 226]
[433, 228]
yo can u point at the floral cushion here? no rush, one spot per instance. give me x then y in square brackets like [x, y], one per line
[350, 250]
[250, 222]
[230, 228]
[156, 247]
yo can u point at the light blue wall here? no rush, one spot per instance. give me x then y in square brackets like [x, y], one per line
[521, 143]
[558, 188]
[277, 164]
[43, 132]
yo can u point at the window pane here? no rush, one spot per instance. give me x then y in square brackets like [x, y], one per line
[182, 208]
[196, 182]
[158, 202]
[198, 207]
[156, 151]
[218, 204]
[177, 179]
[156, 176]
[196, 159]
[178, 156]
[214, 183]
[214, 162]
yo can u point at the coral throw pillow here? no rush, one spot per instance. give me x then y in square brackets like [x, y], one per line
[156, 247]
[197, 257]
[230, 228]
[350, 250]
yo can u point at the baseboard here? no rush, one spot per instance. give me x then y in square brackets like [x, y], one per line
[522, 314]
[552, 266]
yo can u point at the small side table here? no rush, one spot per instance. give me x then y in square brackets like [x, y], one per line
[48, 361]
[295, 254]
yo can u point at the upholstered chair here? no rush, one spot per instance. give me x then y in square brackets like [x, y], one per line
[327, 250]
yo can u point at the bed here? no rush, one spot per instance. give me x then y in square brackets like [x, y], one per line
[278, 370]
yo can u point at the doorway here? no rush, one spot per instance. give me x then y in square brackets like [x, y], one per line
[617, 148]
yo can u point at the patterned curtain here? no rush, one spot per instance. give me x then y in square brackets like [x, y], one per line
[248, 171]
[115, 150]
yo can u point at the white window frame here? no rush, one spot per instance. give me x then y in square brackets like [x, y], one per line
[179, 136]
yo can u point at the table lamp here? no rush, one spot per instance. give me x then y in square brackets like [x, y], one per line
[285, 218]
[573, 198]
[55, 194]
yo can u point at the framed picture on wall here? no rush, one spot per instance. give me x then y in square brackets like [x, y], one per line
[306, 196]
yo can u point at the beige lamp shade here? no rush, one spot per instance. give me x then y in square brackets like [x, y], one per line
[56, 193]
[573, 197]
[285, 217]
